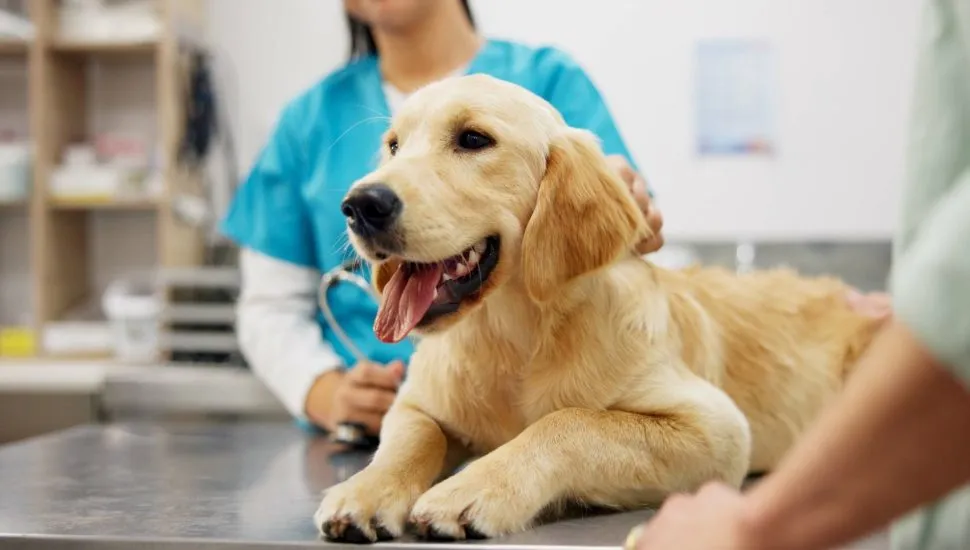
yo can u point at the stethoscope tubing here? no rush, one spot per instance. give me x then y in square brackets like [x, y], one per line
[347, 433]
[343, 273]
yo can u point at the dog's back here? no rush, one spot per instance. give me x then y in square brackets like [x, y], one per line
[779, 344]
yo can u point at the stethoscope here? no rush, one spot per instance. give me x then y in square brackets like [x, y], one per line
[347, 433]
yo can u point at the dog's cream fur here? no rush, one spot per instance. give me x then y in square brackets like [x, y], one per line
[584, 373]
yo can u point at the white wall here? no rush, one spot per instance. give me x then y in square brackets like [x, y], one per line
[845, 81]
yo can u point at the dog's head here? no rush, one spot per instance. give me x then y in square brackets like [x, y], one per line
[482, 182]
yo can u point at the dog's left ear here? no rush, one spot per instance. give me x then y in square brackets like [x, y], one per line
[585, 217]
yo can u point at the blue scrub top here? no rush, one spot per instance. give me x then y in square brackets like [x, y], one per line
[289, 205]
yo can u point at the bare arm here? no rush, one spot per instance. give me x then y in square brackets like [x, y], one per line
[895, 440]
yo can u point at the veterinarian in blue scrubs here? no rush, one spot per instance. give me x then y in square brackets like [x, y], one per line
[286, 215]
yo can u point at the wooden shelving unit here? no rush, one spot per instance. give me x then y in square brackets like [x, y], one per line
[95, 205]
[58, 96]
[11, 48]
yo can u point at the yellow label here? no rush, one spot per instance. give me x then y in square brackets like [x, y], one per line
[17, 342]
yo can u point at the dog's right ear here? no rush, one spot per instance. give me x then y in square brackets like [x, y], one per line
[585, 217]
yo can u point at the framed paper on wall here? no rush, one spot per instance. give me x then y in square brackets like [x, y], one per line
[735, 98]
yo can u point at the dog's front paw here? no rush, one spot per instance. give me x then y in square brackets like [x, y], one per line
[367, 508]
[472, 505]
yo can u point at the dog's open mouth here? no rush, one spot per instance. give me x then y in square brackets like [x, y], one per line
[420, 293]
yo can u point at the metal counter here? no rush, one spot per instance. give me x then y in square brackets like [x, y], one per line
[215, 487]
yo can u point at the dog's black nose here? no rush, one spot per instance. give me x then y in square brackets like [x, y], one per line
[371, 208]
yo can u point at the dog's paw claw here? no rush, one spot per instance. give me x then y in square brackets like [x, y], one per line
[344, 529]
[425, 529]
[357, 513]
[474, 534]
[356, 535]
[335, 528]
[434, 535]
[383, 534]
[470, 505]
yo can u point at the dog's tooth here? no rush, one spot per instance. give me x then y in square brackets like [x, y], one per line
[461, 270]
[473, 258]
[480, 247]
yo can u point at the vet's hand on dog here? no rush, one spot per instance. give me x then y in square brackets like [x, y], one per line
[874, 304]
[361, 395]
[714, 518]
[636, 184]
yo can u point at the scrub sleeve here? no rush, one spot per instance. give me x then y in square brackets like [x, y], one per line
[931, 278]
[268, 213]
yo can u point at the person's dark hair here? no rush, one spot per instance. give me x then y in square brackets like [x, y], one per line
[362, 39]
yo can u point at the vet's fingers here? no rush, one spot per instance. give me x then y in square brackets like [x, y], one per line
[655, 241]
[397, 369]
[642, 197]
[672, 513]
[623, 169]
[370, 400]
[877, 305]
[632, 541]
[655, 220]
[371, 375]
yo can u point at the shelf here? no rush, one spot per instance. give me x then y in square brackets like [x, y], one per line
[107, 204]
[12, 47]
[67, 247]
[138, 48]
[13, 206]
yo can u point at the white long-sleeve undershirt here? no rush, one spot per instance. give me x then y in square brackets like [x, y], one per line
[277, 328]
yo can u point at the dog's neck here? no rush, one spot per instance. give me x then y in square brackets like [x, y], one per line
[510, 315]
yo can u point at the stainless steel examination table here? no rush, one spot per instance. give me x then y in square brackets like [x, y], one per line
[215, 487]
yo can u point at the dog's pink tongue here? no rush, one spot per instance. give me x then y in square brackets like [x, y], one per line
[406, 299]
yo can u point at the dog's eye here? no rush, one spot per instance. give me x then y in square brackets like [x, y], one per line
[392, 147]
[472, 141]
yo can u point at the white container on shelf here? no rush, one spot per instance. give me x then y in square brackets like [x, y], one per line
[77, 338]
[14, 171]
[96, 21]
[134, 307]
[80, 154]
[70, 182]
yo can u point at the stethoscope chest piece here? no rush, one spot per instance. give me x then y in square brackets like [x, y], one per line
[355, 436]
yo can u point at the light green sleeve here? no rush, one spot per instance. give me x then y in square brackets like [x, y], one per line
[931, 275]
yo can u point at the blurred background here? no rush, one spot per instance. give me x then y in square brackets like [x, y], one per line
[772, 133]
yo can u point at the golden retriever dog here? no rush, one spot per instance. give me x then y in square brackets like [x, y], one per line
[568, 367]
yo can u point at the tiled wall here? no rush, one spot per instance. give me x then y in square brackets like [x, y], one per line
[865, 265]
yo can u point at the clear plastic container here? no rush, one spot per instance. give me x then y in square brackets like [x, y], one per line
[14, 171]
[133, 307]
